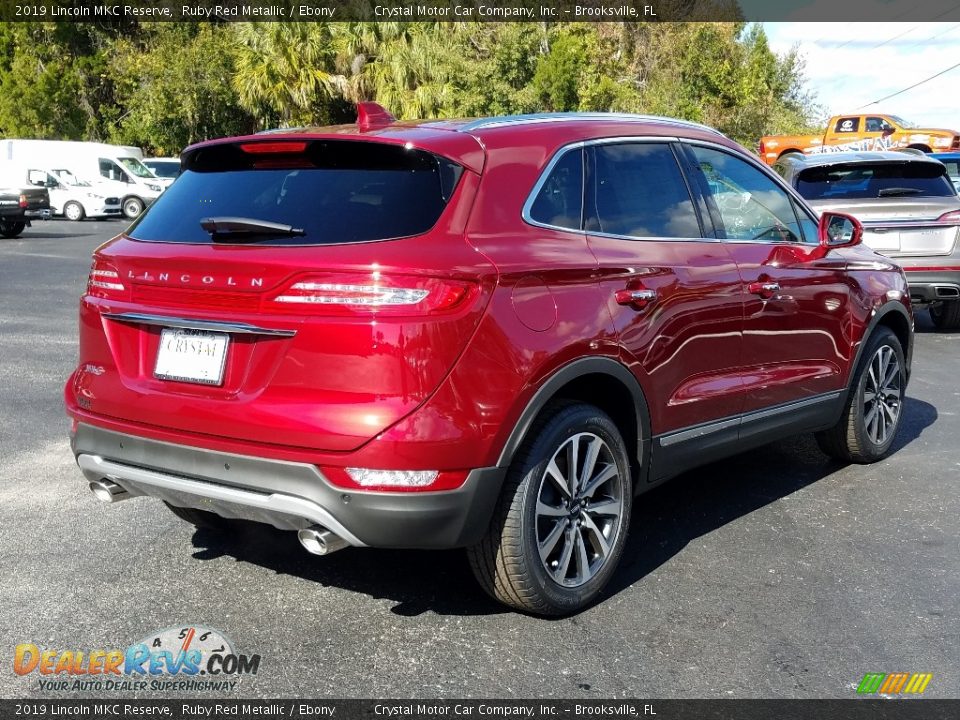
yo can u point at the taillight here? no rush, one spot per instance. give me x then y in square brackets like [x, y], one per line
[104, 281]
[951, 218]
[763, 149]
[394, 480]
[23, 201]
[372, 293]
[955, 145]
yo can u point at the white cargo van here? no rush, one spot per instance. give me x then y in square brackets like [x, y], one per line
[114, 171]
[71, 197]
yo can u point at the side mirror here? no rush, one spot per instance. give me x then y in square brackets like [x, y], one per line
[838, 231]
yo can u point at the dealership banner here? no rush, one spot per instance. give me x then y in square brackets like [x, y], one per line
[483, 709]
[477, 10]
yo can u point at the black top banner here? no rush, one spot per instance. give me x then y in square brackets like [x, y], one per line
[479, 10]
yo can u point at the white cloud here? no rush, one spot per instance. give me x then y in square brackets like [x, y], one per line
[850, 65]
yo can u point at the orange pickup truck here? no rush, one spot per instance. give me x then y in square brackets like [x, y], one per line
[861, 132]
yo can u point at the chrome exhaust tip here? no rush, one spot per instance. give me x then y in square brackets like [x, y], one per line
[320, 541]
[108, 491]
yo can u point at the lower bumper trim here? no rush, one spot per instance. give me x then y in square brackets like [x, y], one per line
[277, 509]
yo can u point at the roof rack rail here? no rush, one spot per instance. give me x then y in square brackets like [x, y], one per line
[505, 120]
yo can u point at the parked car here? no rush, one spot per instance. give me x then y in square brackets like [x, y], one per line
[19, 206]
[951, 161]
[860, 132]
[489, 334]
[909, 209]
[167, 168]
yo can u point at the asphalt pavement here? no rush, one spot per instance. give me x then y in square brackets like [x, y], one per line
[778, 573]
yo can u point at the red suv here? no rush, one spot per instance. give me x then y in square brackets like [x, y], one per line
[491, 334]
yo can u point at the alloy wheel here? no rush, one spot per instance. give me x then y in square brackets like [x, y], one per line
[882, 395]
[579, 509]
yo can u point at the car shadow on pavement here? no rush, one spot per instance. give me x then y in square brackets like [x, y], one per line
[665, 520]
[668, 518]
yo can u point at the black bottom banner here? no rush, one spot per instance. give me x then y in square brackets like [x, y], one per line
[872, 709]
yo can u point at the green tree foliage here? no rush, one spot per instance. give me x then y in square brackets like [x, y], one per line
[165, 85]
[177, 87]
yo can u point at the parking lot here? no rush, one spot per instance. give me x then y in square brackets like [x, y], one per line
[774, 574]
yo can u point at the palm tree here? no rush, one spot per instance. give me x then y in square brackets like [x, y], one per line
[281, 70]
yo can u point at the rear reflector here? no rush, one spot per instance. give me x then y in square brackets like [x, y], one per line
[395, 480]
[373, 293]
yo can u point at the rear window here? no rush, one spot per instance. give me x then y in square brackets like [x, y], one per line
[895, 179]
[335, 191]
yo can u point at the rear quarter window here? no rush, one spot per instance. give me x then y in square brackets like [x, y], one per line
[336, 191]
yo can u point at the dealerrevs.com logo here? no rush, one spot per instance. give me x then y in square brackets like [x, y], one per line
[191, 659]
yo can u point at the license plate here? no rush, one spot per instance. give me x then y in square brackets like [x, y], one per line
[191, 356]
[882, 241]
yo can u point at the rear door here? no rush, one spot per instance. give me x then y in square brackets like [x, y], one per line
[795, 342]
[675, 295]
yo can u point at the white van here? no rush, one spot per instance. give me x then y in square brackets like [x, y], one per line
[114, 171]
[71, 197]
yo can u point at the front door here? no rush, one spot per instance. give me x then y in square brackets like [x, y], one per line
[796, 306]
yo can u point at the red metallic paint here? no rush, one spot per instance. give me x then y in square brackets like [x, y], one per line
[445, 392]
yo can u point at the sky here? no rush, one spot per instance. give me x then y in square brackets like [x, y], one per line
[850, 65]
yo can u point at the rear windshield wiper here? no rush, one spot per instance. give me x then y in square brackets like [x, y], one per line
[888, 192]
[250, 228]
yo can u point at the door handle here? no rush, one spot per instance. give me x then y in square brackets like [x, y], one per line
[637, 299]
[765, 290]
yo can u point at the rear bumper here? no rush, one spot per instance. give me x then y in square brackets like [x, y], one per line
[933, 284]
[43, 214]
[288, 495]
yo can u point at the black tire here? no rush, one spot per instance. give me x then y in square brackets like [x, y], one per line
[199, 518]
[533, 514]
[946, 315]
[869, 423]
[132, 207]
[73, 211]
[11, 229]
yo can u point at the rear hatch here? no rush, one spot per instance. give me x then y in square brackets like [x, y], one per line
[908, 208]
[308, 293]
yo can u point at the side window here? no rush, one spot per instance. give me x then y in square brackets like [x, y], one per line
[112, 171]
[810, 227]
[847, 125]
[749, 204]
[560, 200]
[877, 124]
[637, 190]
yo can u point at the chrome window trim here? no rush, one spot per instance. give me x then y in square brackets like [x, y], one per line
[582, 145]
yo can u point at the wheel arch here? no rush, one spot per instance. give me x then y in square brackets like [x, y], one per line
[604, 383]
[892, 315]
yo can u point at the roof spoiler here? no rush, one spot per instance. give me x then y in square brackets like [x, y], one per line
[373, 116]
